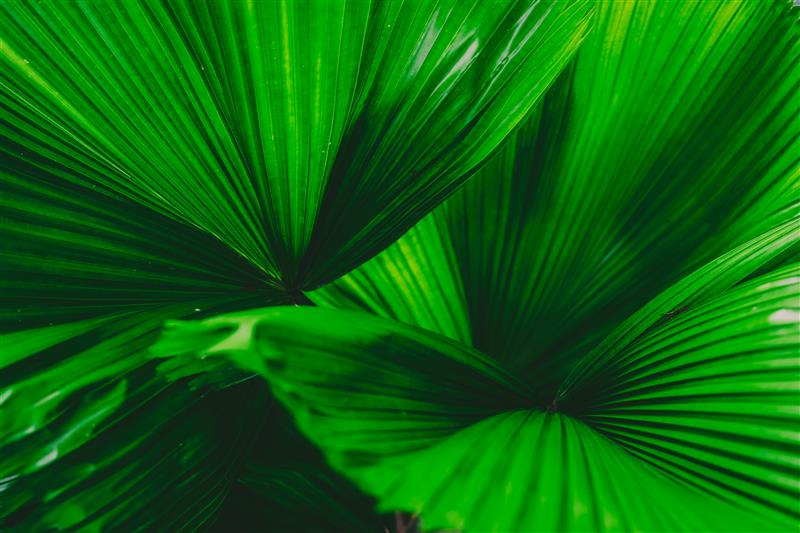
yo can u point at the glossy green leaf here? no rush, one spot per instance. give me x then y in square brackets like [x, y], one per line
[710, 394]
[535, 471]
[167, 467]
[89, 427]
[698, 410]
[763, 254]
[265, 123]
[417, 281]
[94, 434]
[346, 375]
[69, 252]
[171, 159]
[631, 172]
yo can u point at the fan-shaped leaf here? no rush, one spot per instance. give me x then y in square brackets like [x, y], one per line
[631, 172]
[163, 159]
[698, 408]
[264, 123]
[710, 395]
[349, 375]
[88, 426]
[535, 471]
[93, 437]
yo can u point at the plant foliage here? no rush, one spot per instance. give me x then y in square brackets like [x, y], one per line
[503, 266]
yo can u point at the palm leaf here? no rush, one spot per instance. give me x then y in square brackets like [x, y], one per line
[698, 410]
[92, 436]
[451, 387]
[607, 199]
[631, 172]
[172, 159]
[265, 123]
[708, 395]
[89, 426]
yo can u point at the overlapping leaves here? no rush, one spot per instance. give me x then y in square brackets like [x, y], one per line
[631, 172]
[631, 186]
[172, 159]
[265, 123]
[181, 159]
[700, 410]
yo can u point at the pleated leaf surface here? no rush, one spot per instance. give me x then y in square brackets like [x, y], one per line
[632, 171]
[676, 422]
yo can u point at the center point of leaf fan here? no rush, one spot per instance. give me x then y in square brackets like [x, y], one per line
[552, 407]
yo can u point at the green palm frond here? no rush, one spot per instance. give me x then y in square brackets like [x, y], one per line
[697, 410]
[168, 160]
[611, 190]
[265, 123]
[631, 186]
[88, 427]
[504, 266]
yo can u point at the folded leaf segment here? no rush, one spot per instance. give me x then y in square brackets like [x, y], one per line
[599, 331]
[180, 159]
